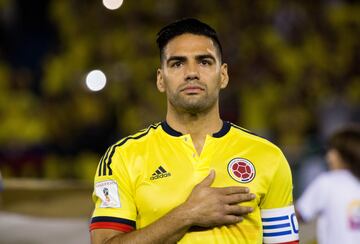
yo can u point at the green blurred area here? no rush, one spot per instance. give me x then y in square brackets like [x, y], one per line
[286, 60]
[47, 198]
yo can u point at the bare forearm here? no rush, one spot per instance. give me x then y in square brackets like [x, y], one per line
[168, 229]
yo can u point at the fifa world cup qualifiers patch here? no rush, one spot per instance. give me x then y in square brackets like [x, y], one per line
[107, 191]
[280, 225]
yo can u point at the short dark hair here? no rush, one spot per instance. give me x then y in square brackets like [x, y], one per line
[183, 26]
[346, 142]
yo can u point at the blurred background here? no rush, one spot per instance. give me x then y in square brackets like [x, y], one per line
[294, 78]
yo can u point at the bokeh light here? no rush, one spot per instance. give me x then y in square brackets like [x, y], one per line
[95, 80]
[112, 4]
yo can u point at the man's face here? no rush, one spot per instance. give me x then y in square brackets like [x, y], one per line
[191, 73]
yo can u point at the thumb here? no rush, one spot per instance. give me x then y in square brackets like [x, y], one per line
[208, 180]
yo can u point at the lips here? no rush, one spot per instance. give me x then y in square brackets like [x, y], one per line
[192, 89]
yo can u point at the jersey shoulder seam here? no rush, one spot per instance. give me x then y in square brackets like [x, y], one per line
[255, 136]
[137, 135]
[106, 161]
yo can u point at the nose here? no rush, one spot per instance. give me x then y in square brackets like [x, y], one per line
[191, 72]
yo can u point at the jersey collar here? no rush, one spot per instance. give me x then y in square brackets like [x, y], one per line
[224, 129]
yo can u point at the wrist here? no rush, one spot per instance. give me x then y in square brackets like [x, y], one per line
[184, 216]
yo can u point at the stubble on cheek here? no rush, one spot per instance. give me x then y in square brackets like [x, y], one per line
[191, 103]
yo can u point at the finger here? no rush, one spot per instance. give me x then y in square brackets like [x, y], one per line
[238, 210]
[208, 180]
[234, 190]
[230, 219]
[238, 198]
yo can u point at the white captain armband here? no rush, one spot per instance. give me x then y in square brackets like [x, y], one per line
[280, 225]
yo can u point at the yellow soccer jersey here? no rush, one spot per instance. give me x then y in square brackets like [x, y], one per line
[144, 176]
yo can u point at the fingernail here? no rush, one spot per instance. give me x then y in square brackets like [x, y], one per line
[251, 209]
[253, 195]
[246, 190]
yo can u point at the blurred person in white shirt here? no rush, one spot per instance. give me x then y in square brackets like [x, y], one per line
[334, 196]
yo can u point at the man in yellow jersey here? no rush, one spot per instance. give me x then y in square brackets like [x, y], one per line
[193, 178]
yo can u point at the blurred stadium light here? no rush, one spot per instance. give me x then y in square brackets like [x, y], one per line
[96, 80]
[112, 4]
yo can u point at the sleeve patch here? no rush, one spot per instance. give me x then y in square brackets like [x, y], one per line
[279, 225]
[108, 192]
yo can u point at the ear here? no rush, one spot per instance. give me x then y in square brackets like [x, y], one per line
[160, 80]
[224, 76]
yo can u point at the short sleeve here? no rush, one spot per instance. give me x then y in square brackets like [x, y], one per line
[277, 211]
[313, 200]
[279, 193]
[113, 194]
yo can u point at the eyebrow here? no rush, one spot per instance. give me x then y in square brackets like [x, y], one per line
[175, 58]
[205, 56]
[197, 57]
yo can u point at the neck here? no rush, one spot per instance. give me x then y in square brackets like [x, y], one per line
[197, 125]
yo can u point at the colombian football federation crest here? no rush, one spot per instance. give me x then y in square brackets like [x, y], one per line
[241, 170]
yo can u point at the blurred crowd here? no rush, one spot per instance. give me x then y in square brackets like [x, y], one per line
[294, 77]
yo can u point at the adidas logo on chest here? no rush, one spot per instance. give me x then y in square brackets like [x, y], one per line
[160, 173]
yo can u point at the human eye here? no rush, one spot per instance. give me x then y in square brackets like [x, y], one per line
[205, 62]
[176, 64]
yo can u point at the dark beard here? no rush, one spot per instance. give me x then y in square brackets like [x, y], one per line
[192, 107]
